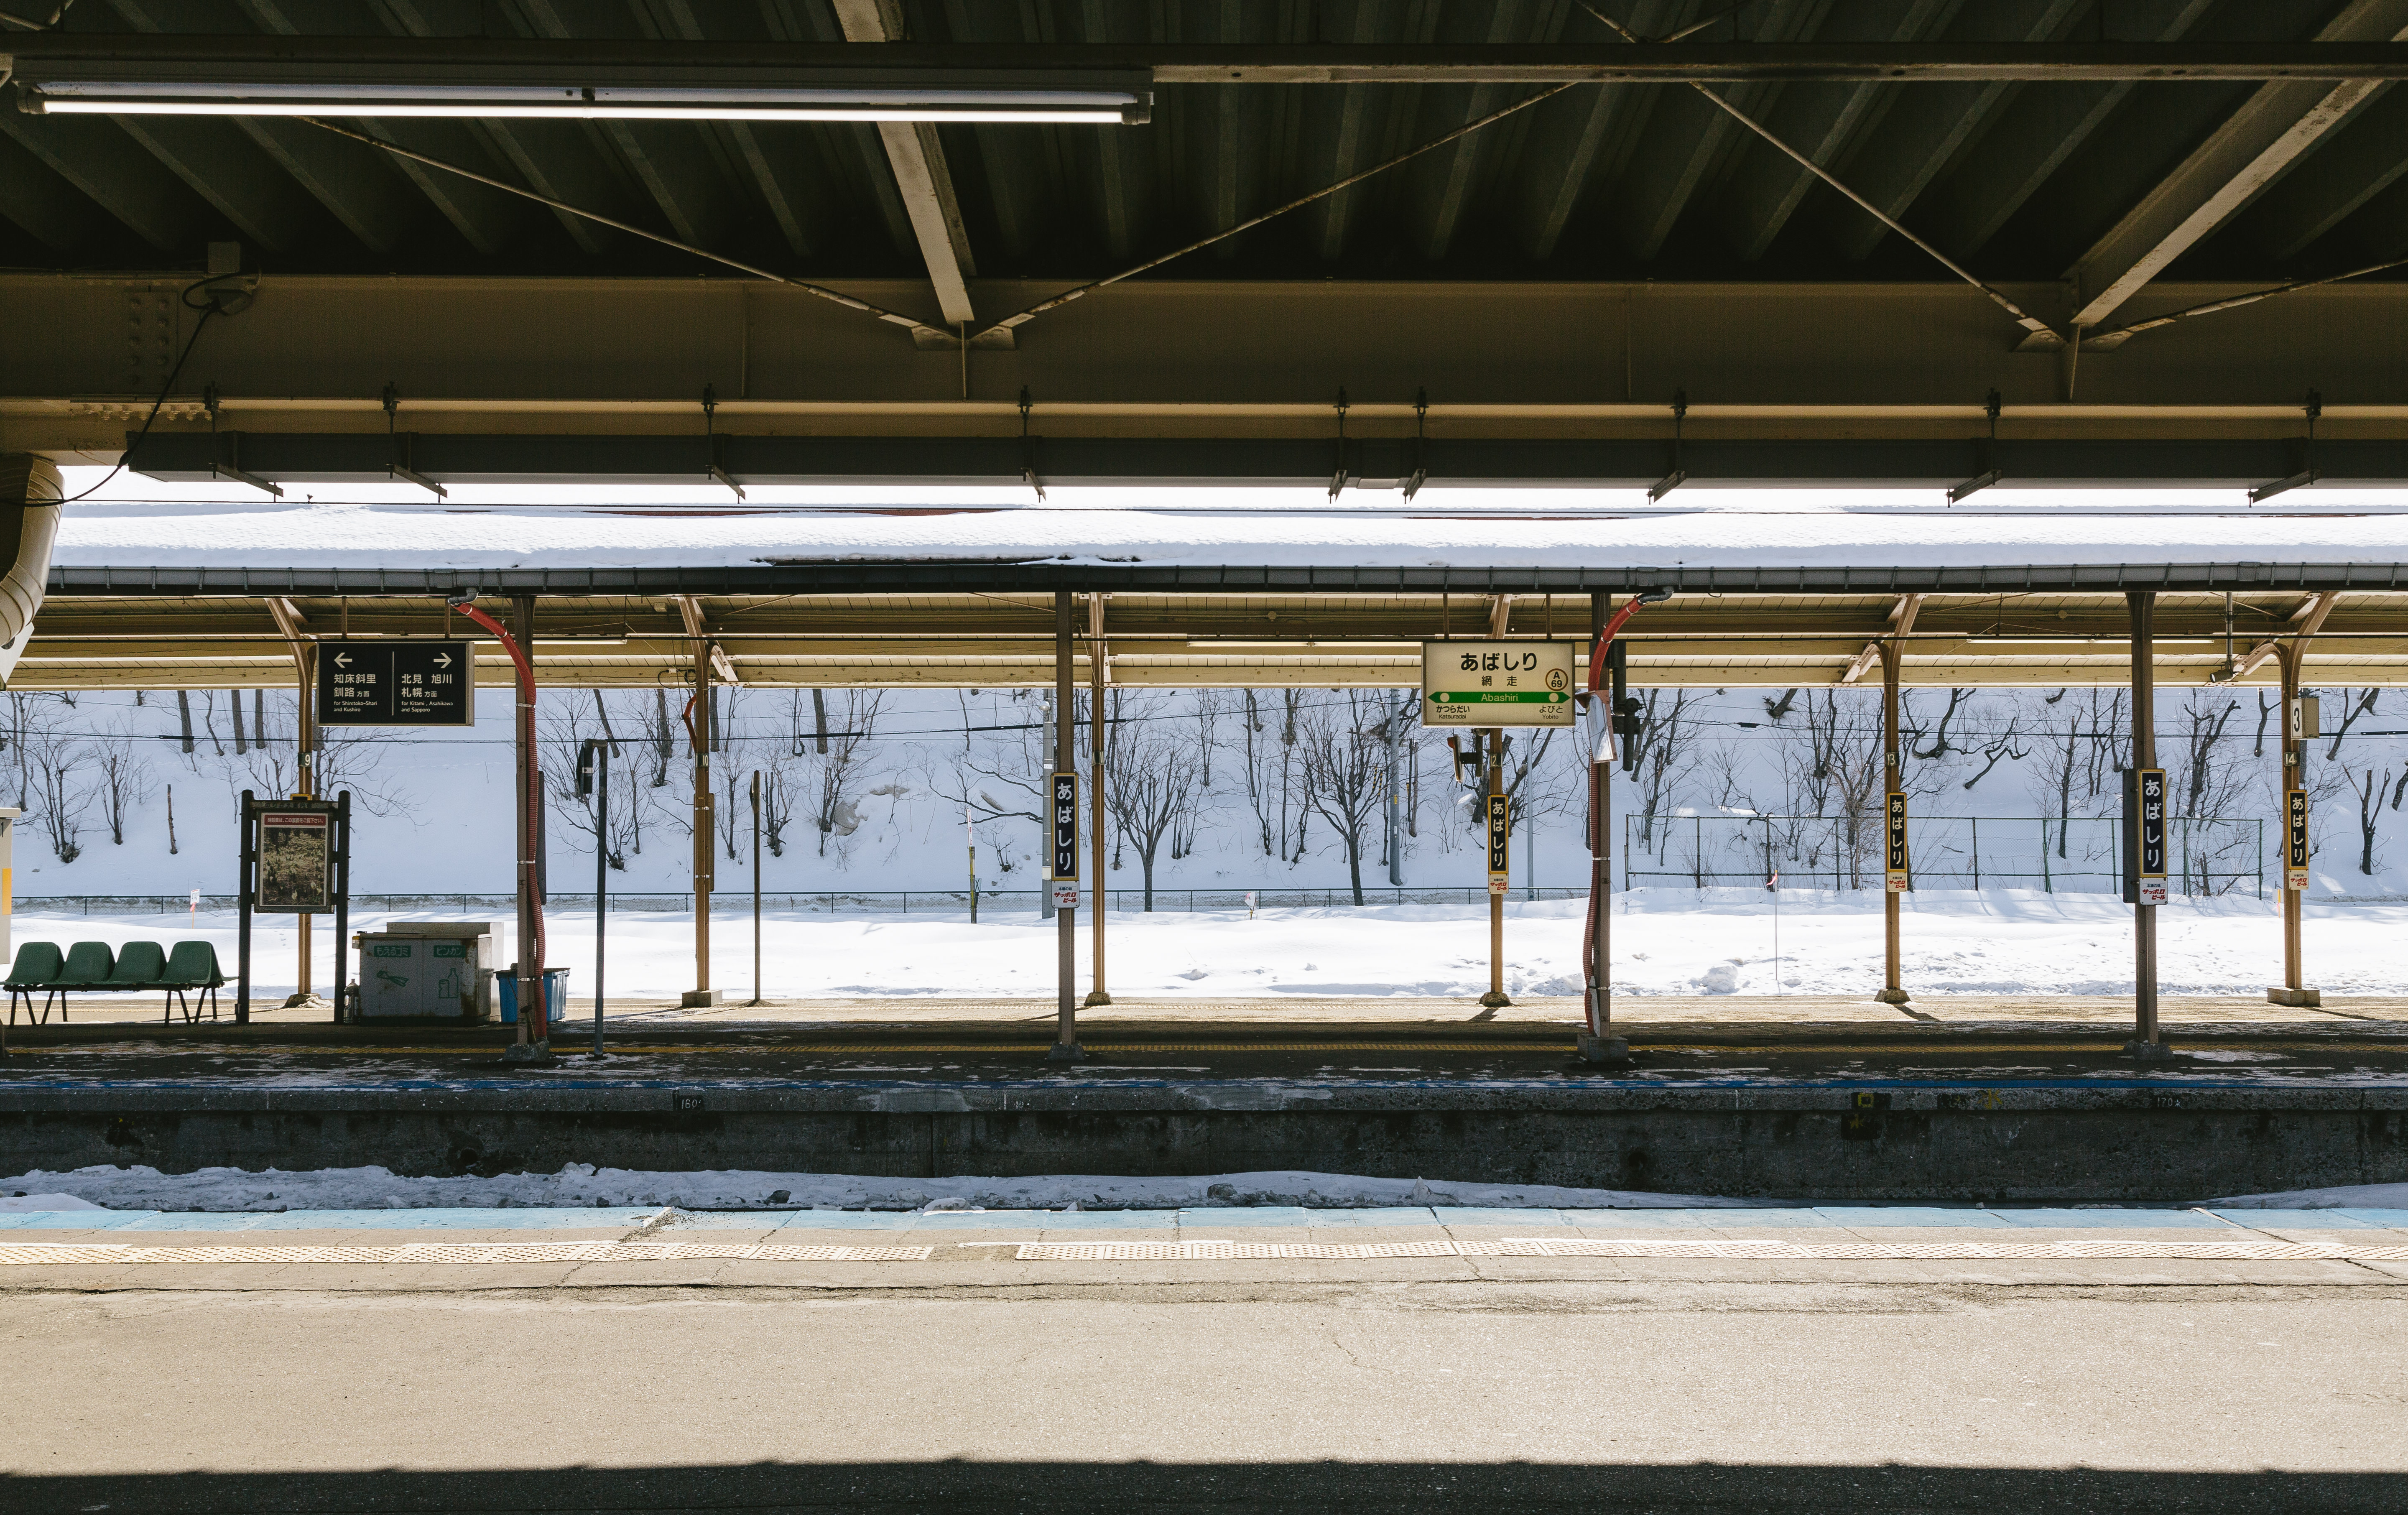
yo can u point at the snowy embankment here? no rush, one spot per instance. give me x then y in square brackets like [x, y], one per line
[579, 1186]
[1665, 942]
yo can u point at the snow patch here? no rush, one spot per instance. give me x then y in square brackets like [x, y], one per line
[582, 1185]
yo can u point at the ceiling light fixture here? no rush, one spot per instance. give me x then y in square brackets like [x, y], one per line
[1068, 107]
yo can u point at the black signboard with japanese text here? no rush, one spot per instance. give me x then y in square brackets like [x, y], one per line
[1894, 858]
[1066, 827]
[1500, 837]
[397, 684]
[2151, 885]
[2295, 840]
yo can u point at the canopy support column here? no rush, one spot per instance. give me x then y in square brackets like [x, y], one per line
[1096, 678]
[2290, 777]
[1066, 761]
[1893, 990]
[2148, 1041]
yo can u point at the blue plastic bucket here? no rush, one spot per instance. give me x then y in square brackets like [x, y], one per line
[555, 995]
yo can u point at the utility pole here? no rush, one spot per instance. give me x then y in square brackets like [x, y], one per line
[756, 887]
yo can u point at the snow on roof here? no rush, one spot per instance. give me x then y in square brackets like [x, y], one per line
[1462, 529]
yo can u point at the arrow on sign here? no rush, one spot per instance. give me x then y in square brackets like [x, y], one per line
[343, 660]
[443, 660]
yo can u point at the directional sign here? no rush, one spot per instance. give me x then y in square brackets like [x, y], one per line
[1066, 828]
[2295, 849]
[1496, 683]
[397, 684]
[2152, 836]
[1894, 860]
[1501, 842]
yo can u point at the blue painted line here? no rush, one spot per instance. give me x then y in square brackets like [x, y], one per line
[75, 1219]
[1493, 1215]
[1247, 1215]
[2355, 1218]
[2117, 1220]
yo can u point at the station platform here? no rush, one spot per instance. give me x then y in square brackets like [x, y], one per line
[1997, 1098]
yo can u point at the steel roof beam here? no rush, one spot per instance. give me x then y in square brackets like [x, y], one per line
[463, 458]
[2277, 125]
[1926, 129]
[922, 175]
[861, 577]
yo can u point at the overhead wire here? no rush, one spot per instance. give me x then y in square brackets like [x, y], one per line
[2022, 318]
[1064, 298]
[821, 291]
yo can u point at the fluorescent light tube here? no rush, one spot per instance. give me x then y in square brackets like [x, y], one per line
[1107, 107]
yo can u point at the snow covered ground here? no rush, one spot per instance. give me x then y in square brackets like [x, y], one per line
[1665, 942]
[581, 1186]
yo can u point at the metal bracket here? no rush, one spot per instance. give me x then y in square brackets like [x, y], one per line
[715, 471]
[1675, 475]
[394, 467]
[1337, 473]
[1028, 450]
[1421, 453]
[232, 465]
[1988, 451]
[2307, 474]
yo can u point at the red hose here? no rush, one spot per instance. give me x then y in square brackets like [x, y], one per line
[540, 1012]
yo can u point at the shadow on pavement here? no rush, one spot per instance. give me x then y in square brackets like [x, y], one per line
[1038, 1488]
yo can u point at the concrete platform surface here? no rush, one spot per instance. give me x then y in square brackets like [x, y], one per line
[977, 1377]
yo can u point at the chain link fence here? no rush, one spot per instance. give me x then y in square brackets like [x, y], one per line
[2079, 856]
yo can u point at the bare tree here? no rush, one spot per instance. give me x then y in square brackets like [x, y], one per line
[834, 812]
[562, 729]
[1272, 774]
[54, 761]
[2370, 814]
[2000, 749]
[1151, 777]
[121, 779]
[2351, 710]
[1345, 764]
[1662, 748]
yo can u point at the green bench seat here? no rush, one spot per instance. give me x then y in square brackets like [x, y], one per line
[92, 967]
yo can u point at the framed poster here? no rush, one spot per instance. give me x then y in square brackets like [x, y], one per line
[297, 859]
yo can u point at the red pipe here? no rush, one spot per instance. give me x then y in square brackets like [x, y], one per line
[535, 1016]
[1605, 640]
[1593, 971]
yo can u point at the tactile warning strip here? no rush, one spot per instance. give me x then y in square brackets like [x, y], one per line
[463, 1251]
[2271, 1251]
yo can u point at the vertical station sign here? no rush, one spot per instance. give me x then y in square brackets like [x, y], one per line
[2152, 836]
[1496, 683]
[1501, 843]
[1066, 840]
[1894, 853]
[2295, 839]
